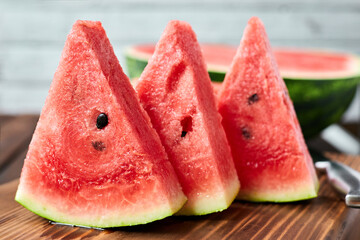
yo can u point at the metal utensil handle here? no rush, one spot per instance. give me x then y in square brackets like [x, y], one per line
[352, 199]
[344, 179]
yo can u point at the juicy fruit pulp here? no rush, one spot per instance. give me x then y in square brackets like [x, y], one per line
[268, 148]
[96, 161]
[293, 63]
[321, 84]
[176, 91]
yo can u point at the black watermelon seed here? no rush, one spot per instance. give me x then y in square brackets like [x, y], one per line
[187, 125]
[102, 121]
[98, 145]
[246, 133]
[253, 98]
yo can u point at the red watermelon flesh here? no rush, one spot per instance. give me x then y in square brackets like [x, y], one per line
[175, 90]
[84, 172]
[294, 63]
[271, 158]
[216, 88]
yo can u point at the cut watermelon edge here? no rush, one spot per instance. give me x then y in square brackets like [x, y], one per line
[46, 211]
[133, 53]
[349, 74]
[304, 193]
[206, 205]
[353, 71]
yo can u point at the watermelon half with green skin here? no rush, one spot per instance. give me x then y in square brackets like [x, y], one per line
[94, 159]
[176, 92]
[321, 83]
[269, 151]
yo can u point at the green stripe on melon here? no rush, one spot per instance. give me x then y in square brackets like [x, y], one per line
[320, 97]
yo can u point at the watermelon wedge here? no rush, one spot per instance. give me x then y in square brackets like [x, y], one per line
[321, 83]
[175, 90]
[271, 158]
[94, 159]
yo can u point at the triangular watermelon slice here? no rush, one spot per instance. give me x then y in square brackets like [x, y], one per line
[175, 90]
[94, 159]
[271, 158]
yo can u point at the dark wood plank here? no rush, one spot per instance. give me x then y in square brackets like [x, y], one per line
[325, 217]
[12, 170]
[320, 145]
[353, 128]
[15, 136]
[5, 118]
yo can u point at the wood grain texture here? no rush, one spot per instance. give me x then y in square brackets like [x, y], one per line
[15, 135]
[325, 217]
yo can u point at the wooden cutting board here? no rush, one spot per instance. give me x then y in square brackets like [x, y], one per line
[325, 217]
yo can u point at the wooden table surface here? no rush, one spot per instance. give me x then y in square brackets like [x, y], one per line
[325, 217]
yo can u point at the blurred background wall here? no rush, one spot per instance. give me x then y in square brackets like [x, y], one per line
[32, 33]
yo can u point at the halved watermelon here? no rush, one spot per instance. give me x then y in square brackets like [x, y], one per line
[176, 92]
[294, 63]
[321, 83]
[271, 158]
[94, 159]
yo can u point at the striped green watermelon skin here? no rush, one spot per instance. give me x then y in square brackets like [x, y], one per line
[313, 98]
[80, 174]
[323, 104]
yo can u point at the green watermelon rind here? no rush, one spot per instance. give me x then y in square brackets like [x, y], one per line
[135, 66]
[325, 112]
[303, 191]
[34, 205]
[291, 196]
[308, 104]
[210, 205]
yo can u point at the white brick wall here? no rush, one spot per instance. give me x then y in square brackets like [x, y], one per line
[32, 33]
